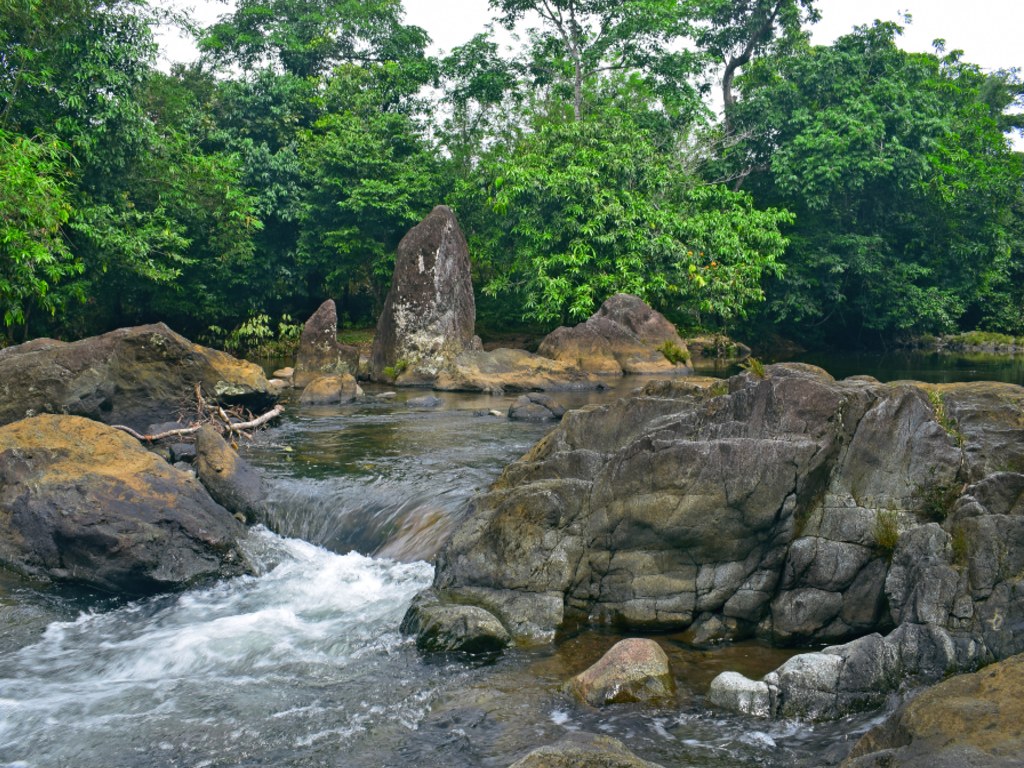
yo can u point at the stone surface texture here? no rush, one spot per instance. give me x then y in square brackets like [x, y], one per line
[634, 670]
[81, 502]
[623, 336]
[430, 312]
[513, 370]
[972, 720]
[535, 406]
[320, 353]
[453, 628]
[133, 376]
[886, 518]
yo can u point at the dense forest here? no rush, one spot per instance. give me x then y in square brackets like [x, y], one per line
[849, 194]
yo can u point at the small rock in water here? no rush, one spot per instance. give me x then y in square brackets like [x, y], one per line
[634, 670]
[425, 401]
[736, 693]
[583, 749]
[535, 406]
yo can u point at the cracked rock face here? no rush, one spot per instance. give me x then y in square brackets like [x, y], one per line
[794, 508]
[430, 312]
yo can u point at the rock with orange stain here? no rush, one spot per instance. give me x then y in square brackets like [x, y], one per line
[82, 502]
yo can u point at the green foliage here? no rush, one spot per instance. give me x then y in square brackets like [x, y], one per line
[674, 353]
[34, 211]
[886, 531]
[392, 372]
[754, 367]
[256, 336]
[898, 172]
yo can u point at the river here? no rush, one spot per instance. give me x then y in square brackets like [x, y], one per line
[303, 665]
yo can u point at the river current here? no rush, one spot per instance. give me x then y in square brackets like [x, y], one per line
[303, 665]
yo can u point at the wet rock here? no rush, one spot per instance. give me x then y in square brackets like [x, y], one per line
[185, 452]
[331, 390]
[81, 502]
[535, 406]
[514, 370]
[132, 376]
[430, 312]
[634, 670]
[231, 480]
[583, 749]
[968, 720]
[320, 353]
[453, 628]
[736, 693]
[624, 336]
[424, 401]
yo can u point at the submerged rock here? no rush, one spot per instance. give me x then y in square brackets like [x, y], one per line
[624, 336]
[132, 376]
[81, 502]
[430, 312]
[320, 353]
[583, 749]
[634, 670]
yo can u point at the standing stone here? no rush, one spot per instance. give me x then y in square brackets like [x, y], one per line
[430, 312]
[320, 353]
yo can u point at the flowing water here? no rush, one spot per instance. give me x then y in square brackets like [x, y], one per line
[303, 665]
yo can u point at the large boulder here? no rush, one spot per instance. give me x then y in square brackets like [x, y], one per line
[429, 313]
[320, 353]
[791, 507]
[132, 376]
[81, 502]
[969, 720]
[624, 336]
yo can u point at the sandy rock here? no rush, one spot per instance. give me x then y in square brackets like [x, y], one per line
[513, 370]
[633, 670]
[331, 390]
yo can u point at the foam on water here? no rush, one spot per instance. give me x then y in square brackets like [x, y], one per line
[208, 665]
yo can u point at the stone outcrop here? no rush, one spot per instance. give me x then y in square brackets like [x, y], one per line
[81, 502]
[634, 670]
[331, 390]
[512, 370]
[623, 336]
[583, 749]
[791, 507]
[230, 480]
[320, 353]
[453, 628]
[969, 720]
[133, 376]
[429, 313]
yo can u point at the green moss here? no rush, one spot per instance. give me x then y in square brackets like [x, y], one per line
[392, 372]
[959, 546]
[718, 389]
[984, 338]
[674, 353]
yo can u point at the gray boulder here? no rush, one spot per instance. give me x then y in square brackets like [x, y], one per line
[132, 376]
[453, 628]
[81, 502]
[535, 406]
[430, 312]
[320, 353]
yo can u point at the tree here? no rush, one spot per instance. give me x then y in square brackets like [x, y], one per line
[588, 208]
[898, 172]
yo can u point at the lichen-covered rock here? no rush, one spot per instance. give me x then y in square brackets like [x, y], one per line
[624, 336]
[81, 502]
[336, 389]
[969, 720]
[231, 480]
[634, 670]
[583, 749]
[320, 353]
[132, 376]
[790, 507]
[430, 312]
[453, 628]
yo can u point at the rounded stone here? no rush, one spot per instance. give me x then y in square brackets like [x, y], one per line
[633, 670]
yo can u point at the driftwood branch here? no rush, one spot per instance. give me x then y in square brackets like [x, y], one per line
[239, 426]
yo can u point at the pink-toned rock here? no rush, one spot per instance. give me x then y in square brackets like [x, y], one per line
[633, 670]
